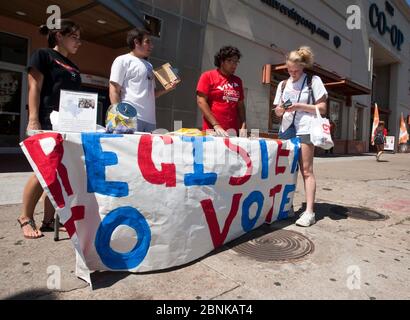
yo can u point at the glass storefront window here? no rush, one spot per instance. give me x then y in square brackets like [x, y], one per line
[335, 115]
[357, 123]
[13, 49]
[274, 121]
[10, 104]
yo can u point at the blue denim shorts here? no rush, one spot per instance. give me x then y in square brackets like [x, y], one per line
[143, 126]
[305, 138]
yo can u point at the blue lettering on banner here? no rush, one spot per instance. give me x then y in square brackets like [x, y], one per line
[123, 216]
[199, 178]
[95, 161]
[265, 159]
[255, 196]
[296, 144]
[285, 200]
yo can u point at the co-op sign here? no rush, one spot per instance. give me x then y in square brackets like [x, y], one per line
[378, 20]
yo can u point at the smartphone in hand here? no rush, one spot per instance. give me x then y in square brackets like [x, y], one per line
[287, 104]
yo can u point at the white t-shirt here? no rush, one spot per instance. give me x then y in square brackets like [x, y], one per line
[136, 78]
[291, 91]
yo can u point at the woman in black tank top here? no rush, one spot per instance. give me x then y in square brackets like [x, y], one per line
[49, 71]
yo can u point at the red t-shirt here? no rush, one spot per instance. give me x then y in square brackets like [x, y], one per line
[223, 94]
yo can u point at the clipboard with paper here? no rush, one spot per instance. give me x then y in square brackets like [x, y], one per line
[166, 75]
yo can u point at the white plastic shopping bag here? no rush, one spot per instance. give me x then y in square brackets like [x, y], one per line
[320, 132]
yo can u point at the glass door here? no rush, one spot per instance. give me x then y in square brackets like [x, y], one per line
[12, 101]
[13, 91]
[335, 115]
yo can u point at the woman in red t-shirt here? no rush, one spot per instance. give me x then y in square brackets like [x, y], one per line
[220, 95]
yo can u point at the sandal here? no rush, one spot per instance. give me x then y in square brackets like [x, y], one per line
[32, 225]
[49, 226]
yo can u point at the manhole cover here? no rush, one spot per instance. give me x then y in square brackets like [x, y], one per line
[359, 213]
[279, 245]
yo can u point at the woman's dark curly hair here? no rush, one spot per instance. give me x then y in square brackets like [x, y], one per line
[226, 53]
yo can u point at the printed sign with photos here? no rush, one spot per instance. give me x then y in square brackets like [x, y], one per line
[389, 143]
[78, 111]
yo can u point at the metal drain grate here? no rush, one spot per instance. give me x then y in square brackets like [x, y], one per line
[279, 246]
[359, 213]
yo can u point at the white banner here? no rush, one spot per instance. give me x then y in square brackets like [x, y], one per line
[149, 202]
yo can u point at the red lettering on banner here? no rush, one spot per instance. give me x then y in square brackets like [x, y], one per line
[236, 181]
[62, 171]
[148, 170]
[218, 237]
[77, 213]
[280, 153]
[272, 194]
[49, 165]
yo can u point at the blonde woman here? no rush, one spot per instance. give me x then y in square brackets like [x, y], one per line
[305, 93]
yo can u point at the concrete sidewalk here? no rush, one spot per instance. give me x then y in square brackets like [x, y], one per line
[351, 258]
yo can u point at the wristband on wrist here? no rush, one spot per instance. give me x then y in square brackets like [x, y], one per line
[216, 124]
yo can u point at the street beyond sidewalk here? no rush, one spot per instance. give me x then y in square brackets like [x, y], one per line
[350, 258]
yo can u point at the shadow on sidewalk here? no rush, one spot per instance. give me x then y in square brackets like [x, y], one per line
[33, 294]
[324, 210]
[346, 155]
[104, 279]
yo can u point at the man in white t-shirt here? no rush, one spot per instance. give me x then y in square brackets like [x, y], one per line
[132, 79]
